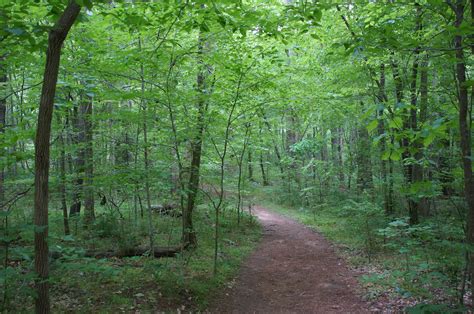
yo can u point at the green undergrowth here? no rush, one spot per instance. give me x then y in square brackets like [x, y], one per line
[80, 284]
[416, 264]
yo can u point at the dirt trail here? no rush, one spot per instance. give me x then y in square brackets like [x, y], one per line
[293, 270]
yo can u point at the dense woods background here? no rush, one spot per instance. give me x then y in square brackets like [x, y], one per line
[169, 120]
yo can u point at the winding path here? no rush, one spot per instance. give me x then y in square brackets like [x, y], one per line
[293, 270]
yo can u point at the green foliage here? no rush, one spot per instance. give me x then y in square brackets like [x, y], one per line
[328, 99]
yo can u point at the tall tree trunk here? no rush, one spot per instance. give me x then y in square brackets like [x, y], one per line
[189, 235]
[240, 163]
[336, 150]
[57, 35]
[465, 128]
[262, 169]
[78, 139]
[151, 233]
[382, 98]
[86, 112]
[250, 165]
[340, 161]
[265, 181]
[413, 171]
[275, 145]
[3, 115]
[423, 204]
[364, 165]
[62, 170]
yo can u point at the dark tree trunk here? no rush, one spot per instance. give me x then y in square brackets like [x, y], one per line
[57, 35]
[189, 235]
[62, 169]
[78, 139]
[464, 129]
[262, 169]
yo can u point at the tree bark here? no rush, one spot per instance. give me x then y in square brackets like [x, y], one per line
[250, 165]
[57, 35]
[62, 169]
[364, 165]
[413, 170]
[3, 115]
[78, 139]
[86, 112]
[189, 235]
[382, 98]
[464, 128]
[151, 233]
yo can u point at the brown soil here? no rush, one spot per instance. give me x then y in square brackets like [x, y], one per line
[293, 270]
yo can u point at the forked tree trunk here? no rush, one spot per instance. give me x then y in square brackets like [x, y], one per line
[57, 35]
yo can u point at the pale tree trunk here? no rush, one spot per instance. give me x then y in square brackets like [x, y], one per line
[240, 162]
[86, 112]
[250, 165]
[336, 150]
[340, 161]
[423, 205]
[364, 165]
[265, 181]
[382, 97]
[57, 35]
[3, 115]
[414, 170]
[144, 106]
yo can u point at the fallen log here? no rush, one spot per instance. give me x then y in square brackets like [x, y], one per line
[159, 252]
[167, 209]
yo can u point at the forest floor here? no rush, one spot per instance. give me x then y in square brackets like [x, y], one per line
[293, 269]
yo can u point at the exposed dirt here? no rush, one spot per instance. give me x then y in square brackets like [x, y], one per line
[293, 270]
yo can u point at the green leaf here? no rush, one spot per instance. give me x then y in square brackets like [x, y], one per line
[317, 14]
[372, 125]
[395, 123]
[429, 139]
